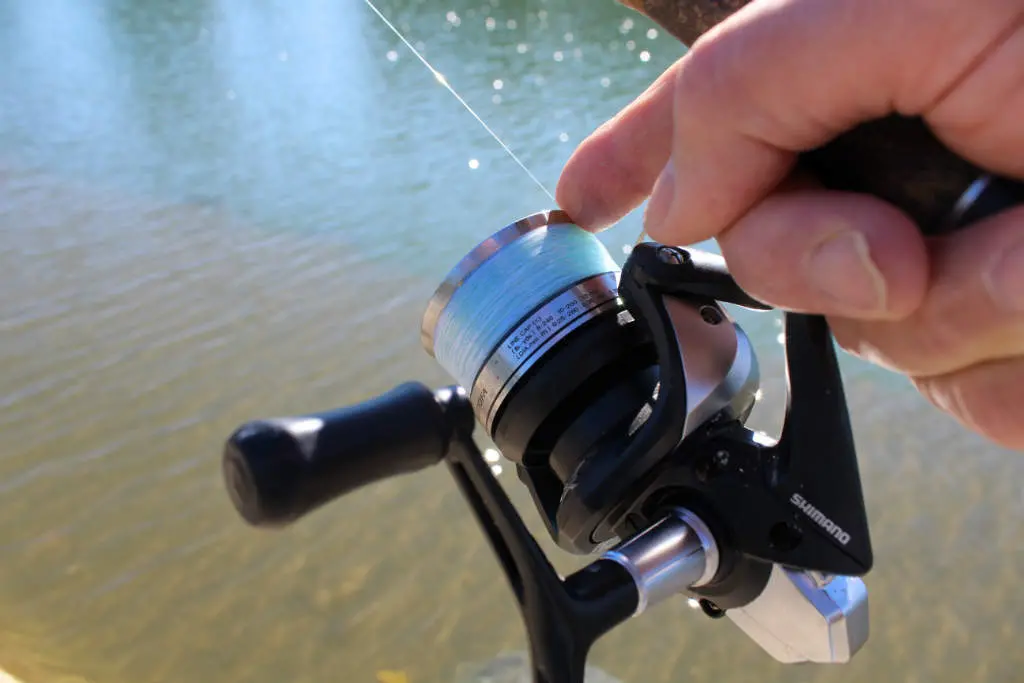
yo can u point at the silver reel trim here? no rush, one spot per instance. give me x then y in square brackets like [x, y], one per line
[476, 258]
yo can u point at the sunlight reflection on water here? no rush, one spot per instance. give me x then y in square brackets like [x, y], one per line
[216, 212]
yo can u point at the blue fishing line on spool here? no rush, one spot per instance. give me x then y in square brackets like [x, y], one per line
[506, 287]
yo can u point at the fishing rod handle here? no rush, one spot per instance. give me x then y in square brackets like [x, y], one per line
[895, 158]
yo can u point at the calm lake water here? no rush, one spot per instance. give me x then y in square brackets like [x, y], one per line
[214, 210]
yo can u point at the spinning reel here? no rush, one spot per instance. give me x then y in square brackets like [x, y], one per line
[621, 397]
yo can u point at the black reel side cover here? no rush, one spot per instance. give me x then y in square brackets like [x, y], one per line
[797, 502]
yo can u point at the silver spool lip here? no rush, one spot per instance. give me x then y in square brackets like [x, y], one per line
[477, 257]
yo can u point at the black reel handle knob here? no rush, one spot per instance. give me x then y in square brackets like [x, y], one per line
[279, 469]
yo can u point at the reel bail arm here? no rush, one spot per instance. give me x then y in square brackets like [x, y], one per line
[791, 574]
[755, 500]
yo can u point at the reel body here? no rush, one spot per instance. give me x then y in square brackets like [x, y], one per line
[622, 385]
[621, 397]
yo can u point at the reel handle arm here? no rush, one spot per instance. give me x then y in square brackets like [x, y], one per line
[278, 470]
[895, 158]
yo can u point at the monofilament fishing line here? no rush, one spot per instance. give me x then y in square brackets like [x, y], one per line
[514, 295]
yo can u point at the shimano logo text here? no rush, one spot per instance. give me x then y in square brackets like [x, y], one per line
[820, 519]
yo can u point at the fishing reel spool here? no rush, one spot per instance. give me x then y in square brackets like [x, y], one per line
[621, 397]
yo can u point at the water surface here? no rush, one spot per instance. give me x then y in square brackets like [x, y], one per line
[214, 210]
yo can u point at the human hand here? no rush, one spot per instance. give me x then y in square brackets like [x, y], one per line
[714, 140]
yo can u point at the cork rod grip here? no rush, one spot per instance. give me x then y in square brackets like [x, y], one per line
[896, 158]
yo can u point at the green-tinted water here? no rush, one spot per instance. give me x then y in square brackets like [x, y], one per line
[214, 210]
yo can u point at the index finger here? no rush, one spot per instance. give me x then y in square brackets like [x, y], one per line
[613, 171]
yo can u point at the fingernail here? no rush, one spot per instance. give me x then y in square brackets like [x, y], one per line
[841, 268]
[660, 203]
[1005, 280]
[568, 200]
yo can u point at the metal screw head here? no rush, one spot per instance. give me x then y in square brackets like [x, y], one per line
[672, 256]
[711, 609]
[711, 315]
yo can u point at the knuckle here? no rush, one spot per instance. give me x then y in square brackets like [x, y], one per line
[708, 76]
[621, 177]
[985, 398]
[860, 339]
[603, 176]
[936, 337]
[960, 323]
[916, 346]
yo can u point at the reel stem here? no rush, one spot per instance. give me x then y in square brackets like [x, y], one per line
[563, 618]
